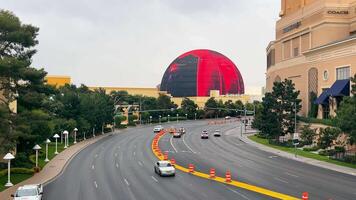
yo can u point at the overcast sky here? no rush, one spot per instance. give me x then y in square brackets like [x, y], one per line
[130, 43]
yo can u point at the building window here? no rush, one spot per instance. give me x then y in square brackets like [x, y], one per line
[296, 52]
[342, 73]
[271, 58]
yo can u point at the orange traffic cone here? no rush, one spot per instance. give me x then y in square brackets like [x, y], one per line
[305, 196]
[228, 176]
[212, 173]
[173, 161]
[165, 156]
[191, 168]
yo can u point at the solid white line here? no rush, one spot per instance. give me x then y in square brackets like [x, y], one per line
[187, 145]
[278, 179]
[170, 140]
[236, 192]
[140, 163]
[291, 175]
[95, 184]
[92, 167]
[127, 183]
[154, 179]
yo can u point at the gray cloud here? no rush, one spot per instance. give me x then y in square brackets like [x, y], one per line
[131, 42]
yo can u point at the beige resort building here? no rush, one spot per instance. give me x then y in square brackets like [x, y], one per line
[315, 47]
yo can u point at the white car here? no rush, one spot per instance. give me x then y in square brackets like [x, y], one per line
[164, 168]
[29, 192]
[157, 129]
[217, 133]
[204, 135]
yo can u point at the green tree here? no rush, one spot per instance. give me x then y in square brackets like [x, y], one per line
[211, 106]
[313, 112]
[328, 135]
[307, 134]
[346, 114]
[189, 107]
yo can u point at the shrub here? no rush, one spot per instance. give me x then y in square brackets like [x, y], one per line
[17, 171]
[315, 148]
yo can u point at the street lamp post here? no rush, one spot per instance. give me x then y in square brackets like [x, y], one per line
[8, 157]
[84, 138]
[75, 135]
[102, 129]
[65, 133]
[195, 116]
[177, 117]
[47, 142]
[160, 119]
[186, 116]
[37, 148]
[150, 119]
[94, 132]
[56, 136]
[168, 117]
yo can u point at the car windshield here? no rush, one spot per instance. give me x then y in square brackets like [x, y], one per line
[26, 192]
[165, 165]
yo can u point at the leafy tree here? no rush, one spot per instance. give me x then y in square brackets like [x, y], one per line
[346, 114]
[231, 108]
[307, 134]
[313, 112]
[189, 107]
[165, 102]
[328, 135]
[211, 106]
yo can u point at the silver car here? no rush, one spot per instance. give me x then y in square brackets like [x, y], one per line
[157, 129]
[164, 168]
[29, 192]
[217, 133]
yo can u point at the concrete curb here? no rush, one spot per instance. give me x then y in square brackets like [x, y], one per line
[310, 161]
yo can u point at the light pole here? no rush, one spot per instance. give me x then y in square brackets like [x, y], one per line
[84, 138]
[65, 133]
[195, 116]
[160, 119]
[168, 117]
[295, 135]
[75, 135]
[56, 136]
[36, 148]
[94, 132]
[150, 119]
[186, 116]
[47, 142]
[177, 117]
[61, 137]
[102, 129]
[8, 157]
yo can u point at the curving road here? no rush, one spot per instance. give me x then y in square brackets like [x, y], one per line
[121, 167]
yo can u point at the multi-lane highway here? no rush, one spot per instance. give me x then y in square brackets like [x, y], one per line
[121, 167]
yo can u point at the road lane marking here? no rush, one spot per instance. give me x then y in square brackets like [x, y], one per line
[272, 156]
[92, 167]
[278, 179]
[236, 192]
[95, 184]
[154, 179]
[293, 175]
[187, 145]
[127, 183]
[140, 163]
[96, 155]
[115, 154]
[238, 184]
[170, 140]
[134, 153]
[117, 165]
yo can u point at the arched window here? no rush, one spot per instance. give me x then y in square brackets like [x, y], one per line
[312, 91]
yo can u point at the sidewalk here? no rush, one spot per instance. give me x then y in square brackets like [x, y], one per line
[54, 168]
[322, 164]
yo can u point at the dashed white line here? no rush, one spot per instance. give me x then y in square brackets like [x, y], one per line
[283, 181]
[117, 165]
[92, 167]
[134, 153]
[187, 145]
[95, 184]
[170, 140]
[140, 163]
[96, 155]
[115, 154]
[236, 192]
[293, 175]
[127, 183]
[154, 179]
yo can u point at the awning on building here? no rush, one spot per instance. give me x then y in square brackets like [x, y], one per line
[323, 98]
[340, 88]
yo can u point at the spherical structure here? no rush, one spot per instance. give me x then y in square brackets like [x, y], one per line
[197, 72]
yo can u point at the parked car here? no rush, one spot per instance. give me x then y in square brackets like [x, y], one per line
[29, 192]
[227, 117]
[177, 134]
[217, 133]
[164, 168]
[158, 128]
[204, 135]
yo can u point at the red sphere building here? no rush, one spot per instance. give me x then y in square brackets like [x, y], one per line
[197, 72]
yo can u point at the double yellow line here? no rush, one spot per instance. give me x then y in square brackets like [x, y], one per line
[238, 184]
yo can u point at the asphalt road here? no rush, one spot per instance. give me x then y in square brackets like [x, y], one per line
[121, 167]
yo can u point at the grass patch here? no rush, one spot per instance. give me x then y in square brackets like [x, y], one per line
[306, 154]
[15, 178]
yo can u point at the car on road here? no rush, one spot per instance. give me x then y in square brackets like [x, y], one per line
[217, 133]
[181, 130]
[172, 130]
[204, 135]
[158, 128]
[177, 134]
[29, 192]
[164, 168]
